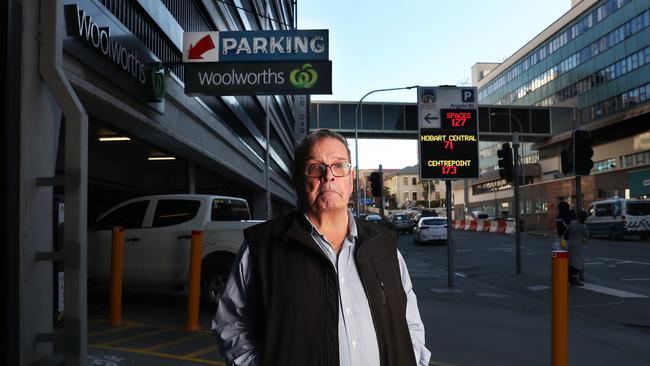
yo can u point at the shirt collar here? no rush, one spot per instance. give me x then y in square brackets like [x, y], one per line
[352, 228]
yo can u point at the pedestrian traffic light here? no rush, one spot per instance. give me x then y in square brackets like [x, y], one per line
[582, 152]
[505, 161]
[376, 183]
[567, 164]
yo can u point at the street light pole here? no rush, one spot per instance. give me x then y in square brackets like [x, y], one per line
[356, 135]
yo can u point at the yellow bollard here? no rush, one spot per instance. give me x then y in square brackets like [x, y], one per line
[117, 267]
[194, 291]
[560, 309]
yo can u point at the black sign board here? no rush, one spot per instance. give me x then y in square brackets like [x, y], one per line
[269, 78]
[95, 37]
[451, 152]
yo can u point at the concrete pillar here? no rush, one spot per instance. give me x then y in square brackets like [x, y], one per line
[39, 130]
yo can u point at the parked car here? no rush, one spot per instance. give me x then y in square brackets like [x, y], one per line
[617, 217]
[157, 237]
[431, 229]
[402, 223]
[373, 217]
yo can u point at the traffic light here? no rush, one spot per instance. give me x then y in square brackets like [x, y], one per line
[505, 161]
[582, 152]
[376, 183]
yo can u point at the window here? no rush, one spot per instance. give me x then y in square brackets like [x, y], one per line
[406, 181]
[128, 217]
[175, 211]
[605, 209]
[640, 208]
[406, 196]
[229, 210]
[414, 181]
[631, 160]
[415, 196]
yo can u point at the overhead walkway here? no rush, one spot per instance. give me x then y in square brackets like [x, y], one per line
[399, 120]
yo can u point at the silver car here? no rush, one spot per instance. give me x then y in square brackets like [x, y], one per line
[402, 223]
[431, 229]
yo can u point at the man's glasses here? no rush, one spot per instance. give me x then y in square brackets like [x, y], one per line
[318, 170]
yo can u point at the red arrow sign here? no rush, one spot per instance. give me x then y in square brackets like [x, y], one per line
[204, 45]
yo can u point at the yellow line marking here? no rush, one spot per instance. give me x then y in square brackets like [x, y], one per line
[202, 351]
[133, 337]
[165, 355]
[171, 343]
[112, 330]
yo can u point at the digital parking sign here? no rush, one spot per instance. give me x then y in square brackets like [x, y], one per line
[449, 150]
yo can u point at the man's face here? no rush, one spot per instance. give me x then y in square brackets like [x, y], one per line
[327, 192]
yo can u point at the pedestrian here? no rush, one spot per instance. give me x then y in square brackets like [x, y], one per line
[318, 286]
[577, 235]
[563, 219]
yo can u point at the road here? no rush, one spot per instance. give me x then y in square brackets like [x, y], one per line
[491, 316]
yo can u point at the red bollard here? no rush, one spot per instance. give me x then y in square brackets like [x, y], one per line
[117, 267]
[194, 291]
[560, 309]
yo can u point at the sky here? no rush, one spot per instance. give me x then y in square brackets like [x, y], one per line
[376, 44]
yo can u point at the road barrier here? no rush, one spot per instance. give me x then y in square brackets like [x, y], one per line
[560, 308]
[462, 225]
[472, 225]
[501, 227]
[117, 267]
[485, 225]
[194, 290]
[510, 227]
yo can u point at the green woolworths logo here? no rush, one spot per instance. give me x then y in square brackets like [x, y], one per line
[303, 78]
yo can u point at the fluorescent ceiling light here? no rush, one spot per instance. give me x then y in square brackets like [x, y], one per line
[155, 158]
[113, 138]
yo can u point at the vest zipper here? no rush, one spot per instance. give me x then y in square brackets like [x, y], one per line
[381, 284]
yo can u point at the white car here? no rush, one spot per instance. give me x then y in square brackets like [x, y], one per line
[157, 238]
[431, 229]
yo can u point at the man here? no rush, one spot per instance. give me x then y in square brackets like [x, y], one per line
[318, 287]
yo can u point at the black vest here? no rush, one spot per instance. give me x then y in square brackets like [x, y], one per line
[294, 294]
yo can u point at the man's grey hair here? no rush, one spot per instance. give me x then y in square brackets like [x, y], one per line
[301, 154]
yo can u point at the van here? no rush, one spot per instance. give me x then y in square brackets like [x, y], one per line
[616, 217]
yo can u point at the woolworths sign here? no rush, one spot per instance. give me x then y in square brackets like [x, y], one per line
[313, 77]
[101, 42]
[257, 62]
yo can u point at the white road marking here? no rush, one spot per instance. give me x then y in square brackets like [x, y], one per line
[538, 287]
[624, 261]
[610, 291]
[460, 274]
[635, 279]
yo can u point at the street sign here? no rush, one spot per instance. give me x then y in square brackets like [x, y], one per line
[247, 46]
[263, 78]
[448, 134]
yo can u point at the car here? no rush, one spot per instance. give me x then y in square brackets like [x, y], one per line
[373, 218]
[157, 235]
[402, 223]
[430, 230]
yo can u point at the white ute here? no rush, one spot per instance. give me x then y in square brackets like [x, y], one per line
[157, 239]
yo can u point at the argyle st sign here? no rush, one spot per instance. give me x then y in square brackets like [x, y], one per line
[257, 62]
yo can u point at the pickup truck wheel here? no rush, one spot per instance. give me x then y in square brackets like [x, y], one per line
[213, 284]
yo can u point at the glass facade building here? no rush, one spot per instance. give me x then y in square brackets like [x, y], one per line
[596, 60]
